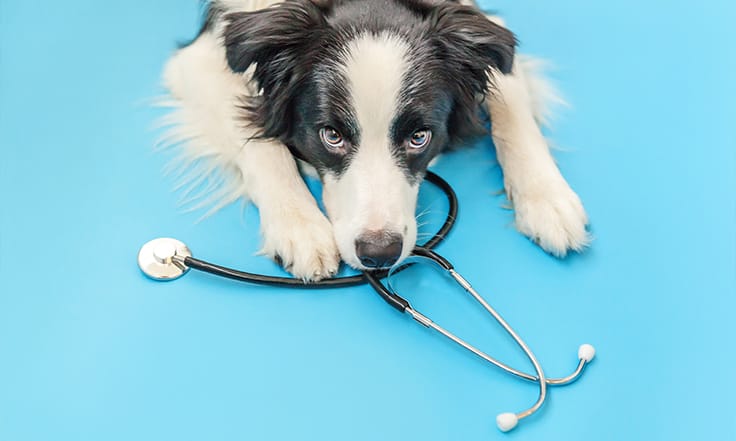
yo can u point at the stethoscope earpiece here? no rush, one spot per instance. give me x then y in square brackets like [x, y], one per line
[506, 421]
[586, 352]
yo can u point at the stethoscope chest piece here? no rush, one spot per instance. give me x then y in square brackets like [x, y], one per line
[163, 259]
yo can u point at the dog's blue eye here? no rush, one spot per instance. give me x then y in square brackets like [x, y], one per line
[331, 138]
[420, 138]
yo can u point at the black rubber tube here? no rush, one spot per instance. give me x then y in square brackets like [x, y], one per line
[370, 277]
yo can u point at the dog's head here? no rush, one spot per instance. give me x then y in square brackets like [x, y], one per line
[369, 92]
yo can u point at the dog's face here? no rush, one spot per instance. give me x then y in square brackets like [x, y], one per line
[368, 92]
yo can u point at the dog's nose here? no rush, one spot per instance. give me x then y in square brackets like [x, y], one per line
[378, 249]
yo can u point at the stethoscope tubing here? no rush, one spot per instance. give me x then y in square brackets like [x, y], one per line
[506, 421]
[336, 282]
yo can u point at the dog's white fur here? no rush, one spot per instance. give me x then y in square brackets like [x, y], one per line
[547, 210]
[205, 118]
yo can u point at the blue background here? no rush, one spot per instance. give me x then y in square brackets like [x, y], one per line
[90, 349]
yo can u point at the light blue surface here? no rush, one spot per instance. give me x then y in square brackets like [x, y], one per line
[91, 350]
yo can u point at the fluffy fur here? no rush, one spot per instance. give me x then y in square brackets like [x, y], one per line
[263, 79]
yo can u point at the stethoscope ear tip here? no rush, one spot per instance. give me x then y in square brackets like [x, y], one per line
[506, 421]
[586, 352]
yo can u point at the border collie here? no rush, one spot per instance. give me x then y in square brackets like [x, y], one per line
[366, 93]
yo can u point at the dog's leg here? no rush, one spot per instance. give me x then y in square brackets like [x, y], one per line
[295, 232]
[546, 208]
[205, 97]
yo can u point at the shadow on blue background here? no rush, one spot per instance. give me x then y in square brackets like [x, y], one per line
[90, 349]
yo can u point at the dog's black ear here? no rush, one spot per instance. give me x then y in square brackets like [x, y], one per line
[467, 36]
[470, 46]
[271, 34]
[279, 40]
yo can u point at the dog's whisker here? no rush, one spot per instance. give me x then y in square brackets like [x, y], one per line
[429, 213]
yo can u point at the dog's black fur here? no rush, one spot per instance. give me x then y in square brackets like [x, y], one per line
[296, 45]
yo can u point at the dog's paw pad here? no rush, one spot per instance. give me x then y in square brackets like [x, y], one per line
[553, 217]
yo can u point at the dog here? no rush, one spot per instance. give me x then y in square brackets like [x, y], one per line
[366, 94]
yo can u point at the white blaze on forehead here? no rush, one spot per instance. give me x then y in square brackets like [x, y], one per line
[374, 183]
[373, 193]
[375, 68]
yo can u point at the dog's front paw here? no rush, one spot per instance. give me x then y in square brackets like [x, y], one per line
[302, 241]
[551, 214]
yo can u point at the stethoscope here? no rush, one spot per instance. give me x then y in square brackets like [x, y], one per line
[168, 259]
